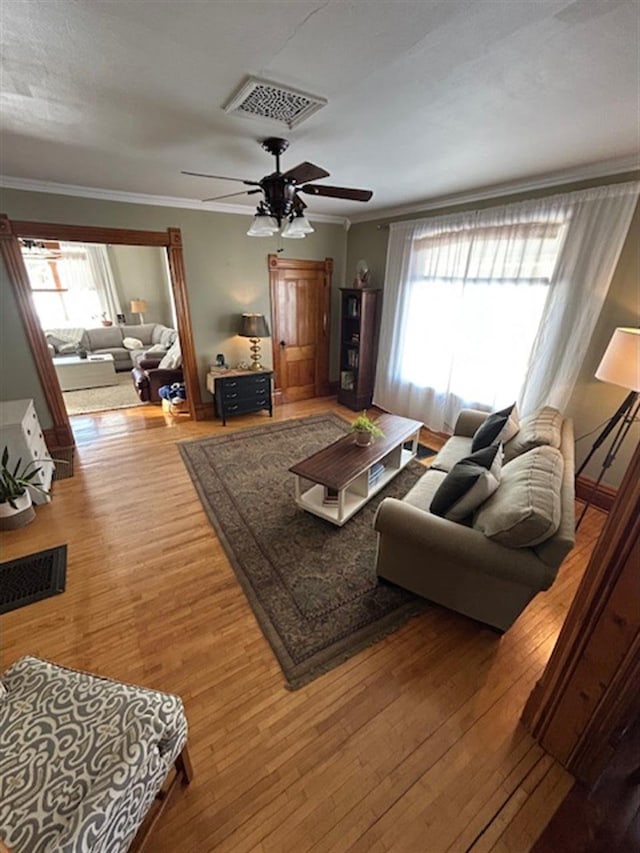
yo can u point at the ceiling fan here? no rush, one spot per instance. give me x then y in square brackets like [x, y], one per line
[281, 193]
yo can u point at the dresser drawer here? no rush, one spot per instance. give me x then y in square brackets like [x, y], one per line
[240, 393]
[244, 407]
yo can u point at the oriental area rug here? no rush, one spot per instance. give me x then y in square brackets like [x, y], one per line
[312, 586]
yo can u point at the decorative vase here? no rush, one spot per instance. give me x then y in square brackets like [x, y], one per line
[107, 322]
[11, 519]
[363, 438]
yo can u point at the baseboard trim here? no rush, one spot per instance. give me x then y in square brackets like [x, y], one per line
[603, 497]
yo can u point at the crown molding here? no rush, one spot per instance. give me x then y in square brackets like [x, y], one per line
[576, 173]
[29, 185]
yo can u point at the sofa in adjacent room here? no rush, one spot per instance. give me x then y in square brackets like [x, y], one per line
[127, 344]
[483, 566]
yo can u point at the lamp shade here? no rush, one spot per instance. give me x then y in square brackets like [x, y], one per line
[254, 326]
[621, 361]
[138, 306]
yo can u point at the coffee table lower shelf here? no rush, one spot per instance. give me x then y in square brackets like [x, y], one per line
[355, 494]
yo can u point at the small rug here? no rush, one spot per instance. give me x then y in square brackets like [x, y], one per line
[32, 578]
[122, 395]
[312, 585]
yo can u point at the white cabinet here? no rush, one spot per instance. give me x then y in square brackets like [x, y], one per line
[21, 432]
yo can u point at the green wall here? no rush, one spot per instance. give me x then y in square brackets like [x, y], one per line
[226, 271]
[18, 377]
[592, 401]
[141, 272]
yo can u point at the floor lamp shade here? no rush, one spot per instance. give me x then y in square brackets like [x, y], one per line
[620, 363]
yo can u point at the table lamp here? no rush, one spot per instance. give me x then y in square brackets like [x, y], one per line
[254, 327]
[139, 306]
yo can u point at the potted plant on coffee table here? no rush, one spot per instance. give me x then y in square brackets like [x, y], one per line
[366, 430]
[16, 507]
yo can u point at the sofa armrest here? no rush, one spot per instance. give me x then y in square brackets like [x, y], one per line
[165, 375]
[148, 362]
[468, 422]
[448, 542]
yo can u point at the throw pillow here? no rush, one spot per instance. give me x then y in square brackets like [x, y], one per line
[527, 508]
[499, 427]
[468, 485]
[132, 343]
[55, 342]
[173, 357]
[156, 348]
[542, 427]
[67, 348]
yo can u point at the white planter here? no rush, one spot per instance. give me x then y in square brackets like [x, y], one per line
[11, 519]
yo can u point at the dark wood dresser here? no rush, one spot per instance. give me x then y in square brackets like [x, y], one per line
[239, 392]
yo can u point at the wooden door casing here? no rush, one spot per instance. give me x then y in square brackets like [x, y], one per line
[300, 306]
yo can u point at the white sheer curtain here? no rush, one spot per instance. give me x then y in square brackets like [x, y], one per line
[105, 285]
[484, 307]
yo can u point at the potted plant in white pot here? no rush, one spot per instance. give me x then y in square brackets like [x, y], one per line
[16, 507]
[366, 431]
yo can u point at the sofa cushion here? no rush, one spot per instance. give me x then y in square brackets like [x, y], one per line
[142, 331]
[542, 427]
[173, 358]
[468, 485]
[456, 448]
[106, 336]
[526, 509]
[167, 337]
[421, 494]
[499, 427]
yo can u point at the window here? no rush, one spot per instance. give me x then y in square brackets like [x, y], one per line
[63, 285]
[473, 309]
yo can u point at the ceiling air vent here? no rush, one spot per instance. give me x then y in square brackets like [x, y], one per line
[264, 99]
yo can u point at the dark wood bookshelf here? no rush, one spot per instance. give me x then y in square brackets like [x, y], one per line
[359, 323]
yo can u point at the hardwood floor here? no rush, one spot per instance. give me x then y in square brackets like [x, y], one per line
[412, 745]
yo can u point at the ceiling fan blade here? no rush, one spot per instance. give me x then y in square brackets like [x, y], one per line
[298, 202]
[231, 195]
[337, 192]
[222, 178]
[304, 172]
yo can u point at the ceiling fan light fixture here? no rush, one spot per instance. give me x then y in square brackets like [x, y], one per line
[298, 226]
[263, 224]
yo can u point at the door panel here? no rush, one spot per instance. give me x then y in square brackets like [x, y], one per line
[300, 299]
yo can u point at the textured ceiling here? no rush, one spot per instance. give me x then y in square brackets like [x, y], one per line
[426, 98]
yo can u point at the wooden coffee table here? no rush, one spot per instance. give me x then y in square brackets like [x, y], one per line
[347, 476]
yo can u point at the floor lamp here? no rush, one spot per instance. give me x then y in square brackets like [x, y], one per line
[620, 365]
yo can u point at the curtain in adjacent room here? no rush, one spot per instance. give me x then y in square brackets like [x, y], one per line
[103, 281]
[485, 307]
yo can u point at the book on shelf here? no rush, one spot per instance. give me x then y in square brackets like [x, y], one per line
[352, 358]
[375, 472]
[330, 497]
[347, 380]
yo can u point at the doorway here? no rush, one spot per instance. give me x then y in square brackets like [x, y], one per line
[300, 316]
[60, 435]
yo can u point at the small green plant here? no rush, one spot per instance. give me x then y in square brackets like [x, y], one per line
[364, 424]
[13, 483]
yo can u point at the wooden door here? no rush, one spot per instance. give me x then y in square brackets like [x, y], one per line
[588, 694]
[300, 305]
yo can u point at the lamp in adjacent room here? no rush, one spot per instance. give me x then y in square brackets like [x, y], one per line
[620, 365]
[254, 327]
[139, 306]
